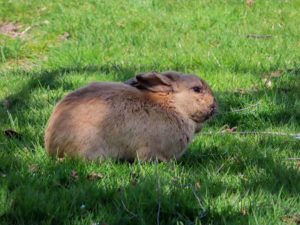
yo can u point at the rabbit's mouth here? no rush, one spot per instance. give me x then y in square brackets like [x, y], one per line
[201, 119]
[197, 120]
[212, 112]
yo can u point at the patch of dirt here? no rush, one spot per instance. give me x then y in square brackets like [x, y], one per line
[64, 37]
[250, 3]
[291, 219]
[15, 30]
[20, 64]
[272, 74]
[12, 30]
[267, 77]
[7, 104]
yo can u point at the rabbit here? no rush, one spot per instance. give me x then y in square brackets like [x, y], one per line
[151, 116]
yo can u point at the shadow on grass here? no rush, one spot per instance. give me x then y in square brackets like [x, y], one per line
[54, 194]
[286, 93]
[60, 197]
[50, 79]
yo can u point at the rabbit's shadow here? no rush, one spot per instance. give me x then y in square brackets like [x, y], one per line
[275, 179]
[135, 201]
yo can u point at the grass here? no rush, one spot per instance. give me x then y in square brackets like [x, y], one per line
[223, 179]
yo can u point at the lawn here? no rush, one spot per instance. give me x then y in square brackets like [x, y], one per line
[248, 53]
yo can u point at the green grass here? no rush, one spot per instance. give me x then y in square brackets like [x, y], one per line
[223, 179]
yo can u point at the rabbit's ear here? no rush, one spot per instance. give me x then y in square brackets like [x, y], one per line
[153, 82]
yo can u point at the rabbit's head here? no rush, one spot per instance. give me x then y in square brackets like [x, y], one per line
[189, 94]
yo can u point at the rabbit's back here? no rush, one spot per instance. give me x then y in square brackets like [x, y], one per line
[111, 120]
[74, 121]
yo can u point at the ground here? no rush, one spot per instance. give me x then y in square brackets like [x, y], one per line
[248, 52]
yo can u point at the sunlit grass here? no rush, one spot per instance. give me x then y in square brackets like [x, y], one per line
[223, 178]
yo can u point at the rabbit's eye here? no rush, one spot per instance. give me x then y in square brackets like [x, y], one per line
[197, 89]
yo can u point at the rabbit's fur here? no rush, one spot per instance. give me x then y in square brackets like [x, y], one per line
[153, 115]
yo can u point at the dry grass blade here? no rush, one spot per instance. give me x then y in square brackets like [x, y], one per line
[33, 168]
[296, 136]
[259, 36]
[95, 176]
[74, 175]
[127, 210]
[276, 73]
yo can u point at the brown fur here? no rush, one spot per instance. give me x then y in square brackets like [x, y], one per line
[150, 116]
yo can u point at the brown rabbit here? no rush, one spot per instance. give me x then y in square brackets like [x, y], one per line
[153, 115]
